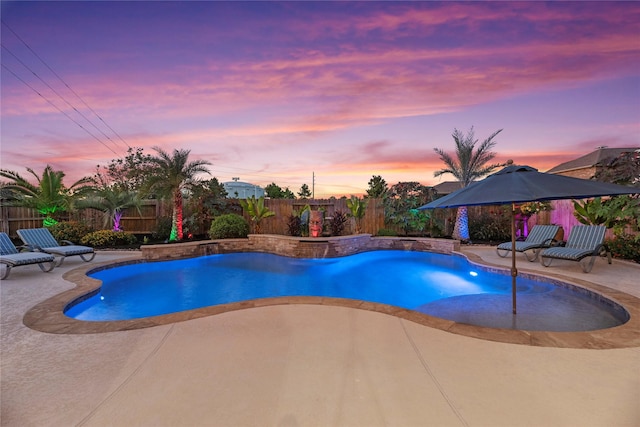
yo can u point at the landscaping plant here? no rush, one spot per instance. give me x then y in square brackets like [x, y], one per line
[401, 203]
[256, 210]
[108, 239]
[48, 196]
[72, 231]
[229, 226]
[358, 207]
[625, 246]
[616, 212]
[338, 222]
[492, 225]
[294, 225]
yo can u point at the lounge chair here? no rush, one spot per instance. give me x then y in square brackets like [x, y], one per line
[11, 257]
[41, 239]
[540, 237]
[584, 241]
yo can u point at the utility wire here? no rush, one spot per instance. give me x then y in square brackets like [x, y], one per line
[59, 96]
[57, 108]
[65, 83]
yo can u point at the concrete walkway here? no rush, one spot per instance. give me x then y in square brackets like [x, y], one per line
[305, 365]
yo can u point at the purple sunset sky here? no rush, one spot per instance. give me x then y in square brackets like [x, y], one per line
[272, 92]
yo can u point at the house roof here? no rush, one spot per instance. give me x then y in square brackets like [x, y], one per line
[596, 158]
[447, 187]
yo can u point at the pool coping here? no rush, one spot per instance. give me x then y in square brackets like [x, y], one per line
[48, 316]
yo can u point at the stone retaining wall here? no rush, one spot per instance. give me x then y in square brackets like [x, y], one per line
[298, 247]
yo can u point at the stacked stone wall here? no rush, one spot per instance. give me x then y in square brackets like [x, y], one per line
[298, 247]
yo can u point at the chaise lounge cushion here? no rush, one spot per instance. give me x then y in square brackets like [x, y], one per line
[541, 236]
[584, 241]
[26, 258]
[11, 257]
[42, 240]
[572, 254]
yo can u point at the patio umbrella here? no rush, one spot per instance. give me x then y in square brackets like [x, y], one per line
[521, 184]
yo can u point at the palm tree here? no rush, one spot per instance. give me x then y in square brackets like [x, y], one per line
[111, 201]
[467, 166]
[169, 176]
[256, 210]
[49, 196]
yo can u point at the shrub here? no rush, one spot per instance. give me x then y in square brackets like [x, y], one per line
[69, 230]
[625, 246]
[492, 226]
[387, 232]
[338, 222]
[162, 229]
[294, 225]
[229, 226]
[108, 239]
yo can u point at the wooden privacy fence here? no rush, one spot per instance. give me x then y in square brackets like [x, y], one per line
[372, 222]
[14, 218]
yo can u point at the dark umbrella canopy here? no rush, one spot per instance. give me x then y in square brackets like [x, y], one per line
[521, 184]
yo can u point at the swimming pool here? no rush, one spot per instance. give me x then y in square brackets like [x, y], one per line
[440, 285]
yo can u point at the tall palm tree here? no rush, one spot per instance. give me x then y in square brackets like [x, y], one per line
[467, 166]
[169, 176]
[49, 196]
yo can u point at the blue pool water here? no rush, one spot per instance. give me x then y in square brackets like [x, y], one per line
[441, 285]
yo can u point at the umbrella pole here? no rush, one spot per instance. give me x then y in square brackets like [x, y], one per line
[514, 270]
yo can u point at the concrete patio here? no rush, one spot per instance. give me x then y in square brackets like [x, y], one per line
[306, 365]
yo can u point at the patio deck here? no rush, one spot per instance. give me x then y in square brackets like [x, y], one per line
[306, 365]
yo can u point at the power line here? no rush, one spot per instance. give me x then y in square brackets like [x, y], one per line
[67, 86]
[57, 108]
[59, 96]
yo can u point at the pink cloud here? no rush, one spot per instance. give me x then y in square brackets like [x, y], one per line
[333, 79]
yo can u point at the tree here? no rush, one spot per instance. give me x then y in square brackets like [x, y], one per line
[401, 203]
[377, 188]
[49, 196]
[623, 170]
[128, 173]
[466, 166]
[274, 191]
[256, 210]
[304, 192]
[169, 176]
[357, 207]
[110, 199]
[207, 200]
[288, 194]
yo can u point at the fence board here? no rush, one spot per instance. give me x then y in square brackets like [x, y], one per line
[283, 208]
[13, 218]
